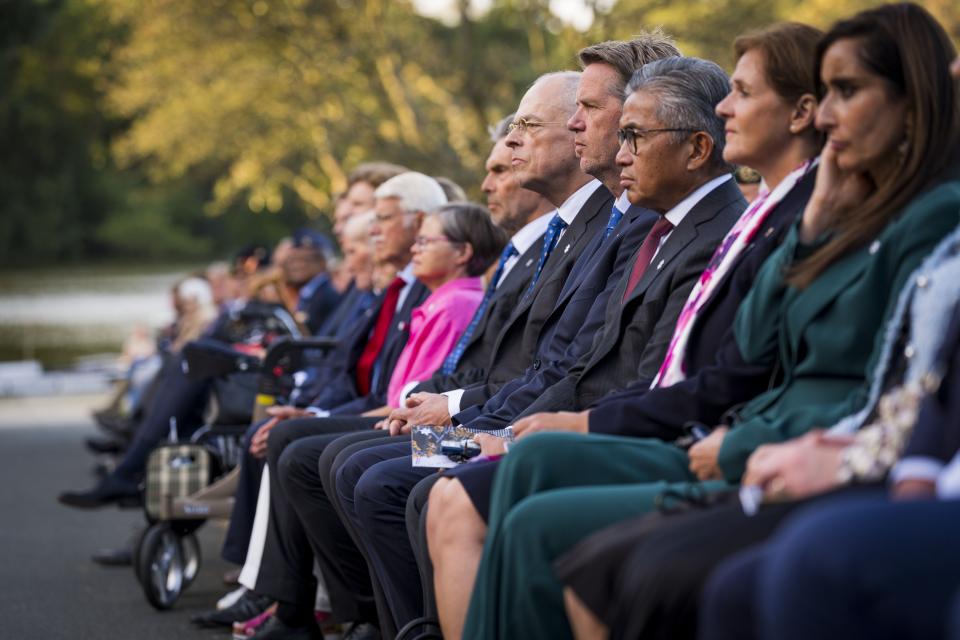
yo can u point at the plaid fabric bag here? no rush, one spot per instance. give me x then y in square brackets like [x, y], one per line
[173, 471]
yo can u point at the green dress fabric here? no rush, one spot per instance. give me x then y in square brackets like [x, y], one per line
[554, 489]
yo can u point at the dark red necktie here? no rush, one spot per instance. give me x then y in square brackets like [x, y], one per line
[647, 250]
[370, 352]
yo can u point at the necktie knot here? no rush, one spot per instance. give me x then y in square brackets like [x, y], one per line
[646, 253]
[661, 228]
[396, 284]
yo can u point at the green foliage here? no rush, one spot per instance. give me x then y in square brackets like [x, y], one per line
[181, 128]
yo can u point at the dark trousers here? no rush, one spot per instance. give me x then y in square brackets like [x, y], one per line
[643, 576]
[334, 456]
[237, 540]
[286, 571]
[416, 517]
[857, 567]
[177, 397]
[373, 486]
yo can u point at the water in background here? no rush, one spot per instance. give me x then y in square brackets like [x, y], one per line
[59, 315]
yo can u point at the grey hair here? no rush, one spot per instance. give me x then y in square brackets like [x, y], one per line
[500, 130]
[416, 191]
[470, 223]
[688, 91]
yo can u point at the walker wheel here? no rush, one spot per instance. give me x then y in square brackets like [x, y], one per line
[162, 567]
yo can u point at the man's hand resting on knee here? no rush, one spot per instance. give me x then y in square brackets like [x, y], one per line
[258, 444]
[422, 408]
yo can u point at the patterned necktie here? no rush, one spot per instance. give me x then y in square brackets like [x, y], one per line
[370, 352]
[550, 239]
[450, 363]
[615, 216]
[647, 250]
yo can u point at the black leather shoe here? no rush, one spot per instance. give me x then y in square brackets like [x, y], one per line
[103, 445]
[114, 423]
[275, 629]
[248, 606]
[361, 631]
[122, 557]
[111, 489]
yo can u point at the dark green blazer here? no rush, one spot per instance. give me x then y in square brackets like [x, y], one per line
[826, 336]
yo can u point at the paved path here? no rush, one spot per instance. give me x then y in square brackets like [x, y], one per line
[49, 588]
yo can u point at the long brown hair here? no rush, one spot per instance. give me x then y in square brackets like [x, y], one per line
[905, 45]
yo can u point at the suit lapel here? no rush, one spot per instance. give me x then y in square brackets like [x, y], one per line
[783, 216]
[686, 232]
[518, 278]
[807, 304]
[566, 247]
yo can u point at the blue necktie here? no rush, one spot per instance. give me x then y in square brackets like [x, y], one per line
[550, 239]
[615, 216]
[450, 363]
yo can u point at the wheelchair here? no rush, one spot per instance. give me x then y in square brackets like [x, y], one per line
[190, 482]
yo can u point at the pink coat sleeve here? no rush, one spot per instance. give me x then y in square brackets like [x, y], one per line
[426, 351]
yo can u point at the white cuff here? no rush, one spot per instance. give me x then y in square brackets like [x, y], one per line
[948, 484]
[453, 401]
[407, 388]
[916, 468]
[318, 412]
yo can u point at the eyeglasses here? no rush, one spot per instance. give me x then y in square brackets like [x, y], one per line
[422, 242]
[631, 135]
[523, 125]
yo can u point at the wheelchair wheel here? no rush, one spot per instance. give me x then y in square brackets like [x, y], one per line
[190, 551]
[161, 562]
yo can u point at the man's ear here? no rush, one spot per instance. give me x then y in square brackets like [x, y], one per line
[701, 148]
[804, 113]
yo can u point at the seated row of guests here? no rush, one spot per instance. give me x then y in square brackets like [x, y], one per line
[638, 293]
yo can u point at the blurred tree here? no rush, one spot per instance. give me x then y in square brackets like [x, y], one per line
[53, 136]
[155, 128]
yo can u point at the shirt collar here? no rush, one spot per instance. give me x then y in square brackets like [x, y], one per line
[623, 202]
[571, 207]
[524, 239]
[680, 211]
[407, 275]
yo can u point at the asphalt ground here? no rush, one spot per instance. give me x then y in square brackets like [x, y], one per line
[49, 588]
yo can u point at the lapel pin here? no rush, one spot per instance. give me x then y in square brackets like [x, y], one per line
[566, 248]
[529, 262]
[660, 266]
[874, 247]
[768, 232]
[401, 325]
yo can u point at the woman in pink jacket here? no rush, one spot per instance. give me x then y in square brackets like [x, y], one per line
[457, 243]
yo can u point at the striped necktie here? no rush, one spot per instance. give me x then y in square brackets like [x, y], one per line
[450, 362]
[550, 239]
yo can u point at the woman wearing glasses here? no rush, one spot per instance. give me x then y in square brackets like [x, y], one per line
[455, 246]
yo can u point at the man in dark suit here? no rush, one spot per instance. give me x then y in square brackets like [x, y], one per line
[523, 214]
